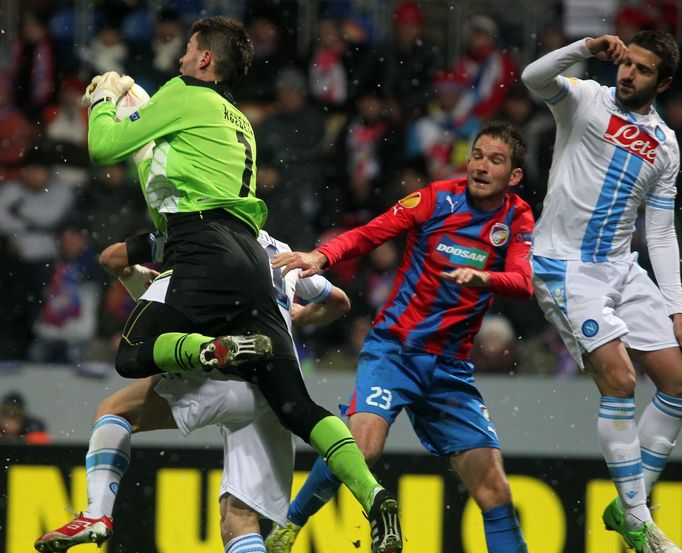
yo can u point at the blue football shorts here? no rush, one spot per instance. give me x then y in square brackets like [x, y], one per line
[439, 395]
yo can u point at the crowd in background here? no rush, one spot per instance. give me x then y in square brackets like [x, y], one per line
[343, 132]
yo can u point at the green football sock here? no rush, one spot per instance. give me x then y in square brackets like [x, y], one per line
[176, 352]
[335, 444]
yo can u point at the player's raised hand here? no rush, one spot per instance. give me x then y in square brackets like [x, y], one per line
[470, 278]
[86, 100]
[310, 263]
[110, 86]
[608, 48]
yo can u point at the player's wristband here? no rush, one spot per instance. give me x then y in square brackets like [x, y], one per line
[104, 99]
[139, 248]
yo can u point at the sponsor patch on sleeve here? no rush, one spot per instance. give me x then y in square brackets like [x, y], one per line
[412, 200]
[134, 116]
[526, 237]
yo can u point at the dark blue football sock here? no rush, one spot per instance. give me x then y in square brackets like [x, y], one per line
[502, 530]
[319, 487]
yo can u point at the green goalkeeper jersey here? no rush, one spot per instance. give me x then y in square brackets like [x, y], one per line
[205, 152]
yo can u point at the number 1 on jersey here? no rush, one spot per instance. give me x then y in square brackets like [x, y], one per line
[248, 166]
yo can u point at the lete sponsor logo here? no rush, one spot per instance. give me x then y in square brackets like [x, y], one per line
[460, 255]
[630, 137]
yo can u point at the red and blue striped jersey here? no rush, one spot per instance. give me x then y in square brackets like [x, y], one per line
[444, 232]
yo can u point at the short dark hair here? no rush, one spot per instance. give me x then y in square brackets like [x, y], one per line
[664, 46]
[510, 136]
[229, 44]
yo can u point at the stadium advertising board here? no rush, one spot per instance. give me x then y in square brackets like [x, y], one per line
[168, 504]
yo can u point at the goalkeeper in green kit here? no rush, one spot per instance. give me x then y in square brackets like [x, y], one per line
[196, 157]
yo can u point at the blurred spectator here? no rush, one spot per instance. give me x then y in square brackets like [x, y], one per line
[106, 51]
[164, 50]
[406, 64]
[629, 21]
[487, 69]
[413, 175]
[444, 134]
[334, 71]
[168, 45]
[537, 129]
[257, 91]
[34, 66]
[292, 162]
[666, 13]
[17, 425]
[495, 347]
[111, 206]
[380, 274]
[345, 357]
[368, 152]
[66, 124]
[68, 316]
[16, 132]
[31, 209]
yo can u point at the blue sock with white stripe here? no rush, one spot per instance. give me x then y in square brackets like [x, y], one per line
[106, 462]
[319, 487]
[503, 531]
[658, 427]
[248, 543]
[620, 445]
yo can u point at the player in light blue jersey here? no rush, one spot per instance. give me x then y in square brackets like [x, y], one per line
[612, 153]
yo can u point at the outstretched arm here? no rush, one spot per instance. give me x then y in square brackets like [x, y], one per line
[336, 304]
[135, 278]
[310, 263]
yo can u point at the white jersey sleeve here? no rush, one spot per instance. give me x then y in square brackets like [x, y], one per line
[662, 238]
[606, 161]
[315, 289]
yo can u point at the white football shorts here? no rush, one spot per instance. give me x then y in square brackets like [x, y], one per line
[258, 451]
[591, 304]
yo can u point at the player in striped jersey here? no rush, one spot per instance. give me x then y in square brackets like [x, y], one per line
[612, 153]
[467, 239]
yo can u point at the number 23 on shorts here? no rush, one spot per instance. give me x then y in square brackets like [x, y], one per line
[380, 397]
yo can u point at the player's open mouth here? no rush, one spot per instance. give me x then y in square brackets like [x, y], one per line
[481, 181]
[626, 86]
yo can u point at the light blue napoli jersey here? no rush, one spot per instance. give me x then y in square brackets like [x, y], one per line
[314, 289]
[607, 161]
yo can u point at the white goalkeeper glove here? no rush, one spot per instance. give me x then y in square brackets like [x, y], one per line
[86, 100]
[106, 88]
[138, 280]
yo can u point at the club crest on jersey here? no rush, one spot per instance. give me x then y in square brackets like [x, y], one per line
[499, 234]
[630, 137]
[658, 131]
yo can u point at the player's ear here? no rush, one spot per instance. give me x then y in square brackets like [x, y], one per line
[205, 60]
[516, 176]
[663, 85]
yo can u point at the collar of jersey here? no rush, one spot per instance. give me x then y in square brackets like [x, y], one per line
[219, 86]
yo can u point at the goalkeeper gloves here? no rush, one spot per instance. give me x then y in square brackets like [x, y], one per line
[109, 87]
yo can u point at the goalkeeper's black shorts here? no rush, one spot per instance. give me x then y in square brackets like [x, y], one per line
[221, 278]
